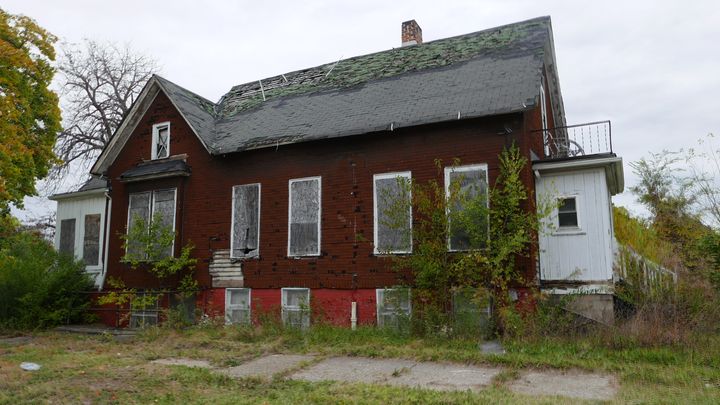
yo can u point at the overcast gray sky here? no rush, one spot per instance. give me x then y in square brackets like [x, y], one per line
[652, 67]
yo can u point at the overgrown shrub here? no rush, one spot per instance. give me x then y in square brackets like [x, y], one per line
[497, 225]
[39, 287]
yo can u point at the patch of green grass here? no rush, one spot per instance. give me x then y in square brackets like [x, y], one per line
[92, 369]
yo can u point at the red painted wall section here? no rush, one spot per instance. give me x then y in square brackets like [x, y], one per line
[327, 305]
[266, 304]
[334, 306]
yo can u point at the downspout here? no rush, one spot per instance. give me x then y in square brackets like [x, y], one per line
[106, 244]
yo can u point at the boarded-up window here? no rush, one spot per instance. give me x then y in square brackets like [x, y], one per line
[467, 190]
[158, 205]
[304, 221]
[393, 307]
[296, 307]
[91, 240]
[246, 220]
[392, 213]
[164, 212]
[144, 309]
[67, 236]
[138, 214]
[161, 141]
[472, 312]
[237, 306]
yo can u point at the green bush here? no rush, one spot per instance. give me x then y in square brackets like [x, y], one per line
[38, 286]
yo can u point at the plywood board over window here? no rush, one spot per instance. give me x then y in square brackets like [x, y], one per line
[393, 307]
[470, 185]
[157, 205]
[304, 217]
[392, 212]
[296, 307]
[91, 240]
[245, 221]
[67, 236]
[237, 306]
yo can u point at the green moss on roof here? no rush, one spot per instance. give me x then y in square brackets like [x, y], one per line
[502, 42]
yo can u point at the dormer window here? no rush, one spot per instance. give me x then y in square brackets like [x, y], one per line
[161, 140]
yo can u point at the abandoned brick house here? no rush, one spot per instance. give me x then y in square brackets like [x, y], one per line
[276, 184]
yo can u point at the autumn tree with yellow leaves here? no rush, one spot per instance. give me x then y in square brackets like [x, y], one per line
[29, 112]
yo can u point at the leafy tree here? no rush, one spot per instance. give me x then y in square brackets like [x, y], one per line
[668, 193]
[29, 112]
[148, 246]
[100, 82]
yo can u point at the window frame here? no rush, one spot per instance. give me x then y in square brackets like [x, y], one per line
[60, 246]
[230, 307]
[465, 168]
[381, 304]
[146, 313]
[286, 309]
[256, 252]
[99, 239]
[151, 212]
[155, 135]
[568, 230]
[319, 212]
[384, 176]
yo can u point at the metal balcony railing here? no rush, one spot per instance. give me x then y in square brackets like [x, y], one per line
[591, 138]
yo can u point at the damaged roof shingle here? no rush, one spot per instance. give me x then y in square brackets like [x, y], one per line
[484, 73]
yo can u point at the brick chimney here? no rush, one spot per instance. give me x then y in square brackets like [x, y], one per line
[411, 33]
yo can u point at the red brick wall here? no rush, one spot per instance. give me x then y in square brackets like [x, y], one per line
[346, 165]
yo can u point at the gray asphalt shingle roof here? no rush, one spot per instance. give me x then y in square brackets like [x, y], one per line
[153, 168]
[484, 73]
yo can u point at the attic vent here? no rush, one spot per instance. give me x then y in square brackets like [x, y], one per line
[411, 33]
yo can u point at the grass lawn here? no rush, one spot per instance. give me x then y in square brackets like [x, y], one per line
[97, 369]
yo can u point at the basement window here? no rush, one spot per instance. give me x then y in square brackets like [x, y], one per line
[237, 306]
[67, 236]
[91, 240]
[304, 217]
[161, 140]
[157, 205]
[296, 307]
[466, 188]
[245, 236]
[393, 307]
[567, 213]
[392, 213]
[144, 309]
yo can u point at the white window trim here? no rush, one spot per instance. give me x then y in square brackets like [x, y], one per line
[384, 176]
[293, 308]
[319, 224]
[232, 223]
[155, 132]
[127, 223]
[229, 307]
[146, 313]
[100, 241]
[568, 230]
[152, 213]
[151, 208]
[378, 304]
[460, 169]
